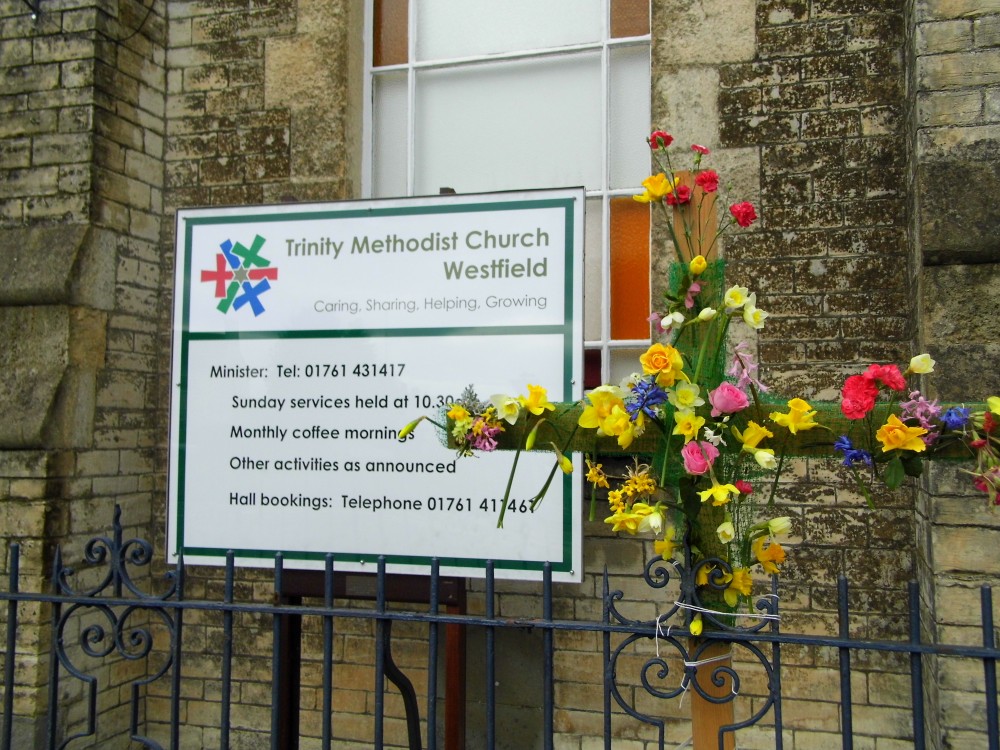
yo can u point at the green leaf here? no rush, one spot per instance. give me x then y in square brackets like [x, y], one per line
[912, 465]
[894, 473]
[690, 502]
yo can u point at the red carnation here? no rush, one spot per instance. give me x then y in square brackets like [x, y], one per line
[989, 424]
[744, 213]
[743, 487]
[680, 196]
[887, 375]
[660, 139]
[700, 149]
[709, 181]
[858, 396]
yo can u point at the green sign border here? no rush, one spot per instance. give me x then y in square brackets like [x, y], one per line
[186, 337]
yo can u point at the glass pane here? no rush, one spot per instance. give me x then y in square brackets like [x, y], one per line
[630, 115]
[459, 28]
[629, 269]
[593, 272]
[390, 31]
[503, 126]
[629, 18]
[624, 362]
[389, 135]
[591, 368]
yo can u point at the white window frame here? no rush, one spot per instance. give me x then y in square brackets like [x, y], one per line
[604, 343]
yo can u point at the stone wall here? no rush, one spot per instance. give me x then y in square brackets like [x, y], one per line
[866, 133]
[956, 168]
[81, 137]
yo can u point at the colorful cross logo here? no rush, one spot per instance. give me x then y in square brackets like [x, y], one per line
[236, 269]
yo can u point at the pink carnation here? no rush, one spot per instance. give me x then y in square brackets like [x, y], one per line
[679, 196]
[744, 213]
[887, 375]
[707, 180]
[857, 397]
[727, 399]
[699, 456]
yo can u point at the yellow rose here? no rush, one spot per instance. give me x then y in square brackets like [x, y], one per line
[894, 435]
[665, 362]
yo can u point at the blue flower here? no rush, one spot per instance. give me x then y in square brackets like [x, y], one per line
[956, 417]
[852, 455]
[646, 395]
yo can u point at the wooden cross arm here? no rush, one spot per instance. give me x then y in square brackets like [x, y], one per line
[560, 428]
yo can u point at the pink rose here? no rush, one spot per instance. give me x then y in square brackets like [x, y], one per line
[744, 213]
[699, 456]
[707, 180]
[727, 399]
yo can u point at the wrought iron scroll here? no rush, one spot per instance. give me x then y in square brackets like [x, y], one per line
[675, 645]
[124, 616]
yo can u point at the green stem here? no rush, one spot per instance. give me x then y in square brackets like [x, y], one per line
[506, 493]
[777, 473]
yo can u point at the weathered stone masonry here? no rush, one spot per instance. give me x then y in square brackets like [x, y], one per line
[866, 130]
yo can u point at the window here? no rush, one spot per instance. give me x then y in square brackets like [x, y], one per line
[480, 96]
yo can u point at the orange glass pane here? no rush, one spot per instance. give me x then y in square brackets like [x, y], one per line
[629, 269]
[629, 18]
[391, 22]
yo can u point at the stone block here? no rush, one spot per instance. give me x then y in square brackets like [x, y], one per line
[35, 362]
[965, 549]
[950, 35]
[67, 263]
[709, 32]
[959, 70]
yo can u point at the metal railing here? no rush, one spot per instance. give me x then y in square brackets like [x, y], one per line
[126, 624]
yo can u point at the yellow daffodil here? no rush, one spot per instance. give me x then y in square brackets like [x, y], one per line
[507, 407]
[921, 365]
[696, 625]
[799, 417]
[687, 424]
[993, 402]
[765, 458]
[665, 362]
[619, 424]
[404, 433]
[736, 297]
[537, 400]
[602, 401]
[458, 413]
[752, 435]
[752, 315]
[720, 493]
[779, 525]
[665, 547]
[769, 557]
[740, 583]
[596, 475]
[697, 265]
[657, 187]
[894, 435]
[685, 396]
[565, 464]
[629, 520]
[651, 523]
[726, 532]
